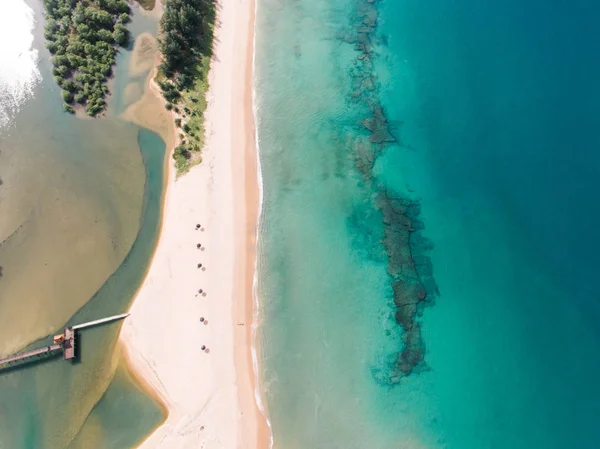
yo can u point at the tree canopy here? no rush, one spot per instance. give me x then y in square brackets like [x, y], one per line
[186, 47]
[187, 30]
[82, 36]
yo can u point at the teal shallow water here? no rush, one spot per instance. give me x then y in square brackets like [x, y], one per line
[329, 335]
[491, 109]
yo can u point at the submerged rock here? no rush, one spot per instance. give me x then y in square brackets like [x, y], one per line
[409, 268]
[364, 157]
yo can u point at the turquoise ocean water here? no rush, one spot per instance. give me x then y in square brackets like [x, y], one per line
[429, 241]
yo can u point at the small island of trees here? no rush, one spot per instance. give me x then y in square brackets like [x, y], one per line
[83, 36]
[186, 47]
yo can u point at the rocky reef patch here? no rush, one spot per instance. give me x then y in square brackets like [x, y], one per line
[409, 267]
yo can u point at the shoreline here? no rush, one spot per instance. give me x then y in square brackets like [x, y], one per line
[247, 311]
[206, 395]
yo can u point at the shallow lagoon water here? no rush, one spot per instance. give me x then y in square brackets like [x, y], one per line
[80, 205]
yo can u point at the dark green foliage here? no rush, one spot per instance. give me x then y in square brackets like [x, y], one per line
[121, 35]
[80, 97]
[182, 151]
[67, 96]
[187, 27]
[116, 6]
[51, 29]
[82, 36]
[59, 60]
[94, 107]
[107, 36]
[63, 70]
[186, 46]
[169, 91]
[124, 18]
[69, 108]
[181, 155]
[68, 85]
[52, 46]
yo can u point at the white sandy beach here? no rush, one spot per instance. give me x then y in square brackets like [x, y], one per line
[209, 395]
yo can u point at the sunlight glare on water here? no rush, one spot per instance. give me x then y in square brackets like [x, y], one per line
[18, 59]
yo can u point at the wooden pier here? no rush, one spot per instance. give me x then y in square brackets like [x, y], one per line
[64, 342]
[101, 321]
[68, 344]
[37, 353]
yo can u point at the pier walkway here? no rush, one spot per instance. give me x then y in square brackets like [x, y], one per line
[64, 342]
[48, 350]
[101, 321]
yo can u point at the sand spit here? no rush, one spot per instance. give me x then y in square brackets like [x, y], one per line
[198, 291]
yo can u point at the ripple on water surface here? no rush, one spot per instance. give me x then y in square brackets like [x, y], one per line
[18, 59]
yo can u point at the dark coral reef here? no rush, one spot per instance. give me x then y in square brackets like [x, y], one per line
[408, 266]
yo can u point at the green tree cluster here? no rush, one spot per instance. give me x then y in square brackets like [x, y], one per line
[82, 36]
[186, 36]
[186, 47]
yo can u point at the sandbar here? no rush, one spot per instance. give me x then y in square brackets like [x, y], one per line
[209, 394]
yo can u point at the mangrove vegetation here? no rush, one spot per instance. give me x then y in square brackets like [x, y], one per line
[83, 37]
[186, 46]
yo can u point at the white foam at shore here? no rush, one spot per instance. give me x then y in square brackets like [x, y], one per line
[18, 59]
[259, 180]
